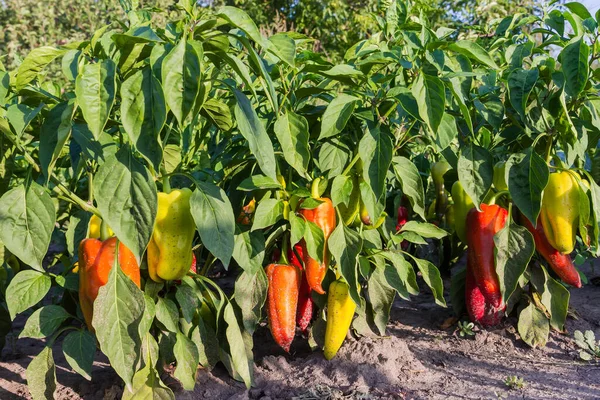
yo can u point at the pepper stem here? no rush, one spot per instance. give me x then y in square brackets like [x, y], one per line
[283, 258]
[496, 196]
[104, 231]
[314, 188]
[165, 181]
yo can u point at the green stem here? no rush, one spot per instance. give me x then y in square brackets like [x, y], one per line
[207, 264]
[314, 188]
[104, 234]
[165, 180]
[352, 162]
[496, 196]
[283, 259]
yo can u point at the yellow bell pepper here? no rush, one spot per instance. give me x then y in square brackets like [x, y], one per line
[94, 228]
[340, 310]
[170, 249]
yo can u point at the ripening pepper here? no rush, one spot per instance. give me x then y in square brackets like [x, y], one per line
[481, 228]
[560, 211]
[480, 310]
[96, 258]
[95, 228]
[499, 178]
[401, 221]
[438, 170]
[324, 217]
[170, 249]
[304, 312]
[560, 263]
[282, 302]
[245, 217]
[340, 310]
[462, 205]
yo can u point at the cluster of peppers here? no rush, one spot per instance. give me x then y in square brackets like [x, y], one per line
[297, 274]
[554, 235]
[169, 255]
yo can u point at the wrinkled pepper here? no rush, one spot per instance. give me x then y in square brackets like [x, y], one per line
[560, 263]
[95, 226]
[462, 205]
[324, 217]
[96, 258]
[499, 178]
[560, 211]
[480, 310]
[304, 312]
[340, 310]
[170, 249]
[438, 170]
[282, 302]
[481, 228]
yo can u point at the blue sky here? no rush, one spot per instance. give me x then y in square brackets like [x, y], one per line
[592, 5]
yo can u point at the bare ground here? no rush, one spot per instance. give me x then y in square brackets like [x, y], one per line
[417, 360]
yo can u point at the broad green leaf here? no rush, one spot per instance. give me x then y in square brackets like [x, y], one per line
[27, 218]
[242, 20]
[401, 275]
[474, 52]
[44, 322]
[250, 296]
[475, 172]
[491, 110]
[527, 175]
[118, 311]
[315, 241]
[268, 212]
[79, 348]
[345, 246]
[187, 358]
[182, 79]
[219, 113]
[34, 63]
[575, 66]
[533, 326]
[25, 290]
[54, 134]
[556, 299]
[447, 132]
[167, 314]
[214, 220]
[143, 113]
[430, 93]
[249, 251]
[41, 375]
[286, 47]
[424, 229]
[98, 150]
[292, 132]
[579, 9]
[411, 182]
[206, 341]
[241, 358]
[259, 182]
[297, 228]
[253, 130]
[375, 149]
[520, 84]
[381, 297]
[77, 231]
[341, 189]
[514, 249]
[431, 276]
[333, 157]
[95, 88]
[336, 115]
[127, 199]
[20, 116]
[147, 385]
[70, 64]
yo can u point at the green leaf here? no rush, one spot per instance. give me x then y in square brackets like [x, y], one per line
[381, 297]
[249, 251]
[118, 311]
[297, 228]
[167, 314]
[147, 385]
[520, 84]
[21, 115]
[315, 241]
[41, 376]
[268, 212]
[336, 115]
[400, 275]
[556, 299]
[514, 249]
[206, 341]
[430, 93]
[575, 66]
[527, 175]
[241, 358]
[292, 132]
[474, 52]
[34, 63]
[143, 113]
[27, 218]
[242, 20]
[259, 182]
[333, 157]
[286, 47]
[533, 326]
[79, 348]
[98, 150]
[181, 79]
[253, 130]
[375, 149]
[424, 229]
[127, 199]
[95, 88]
[54, 133]
[44, 322]
[447, 132]
[214, 220]
[411, 182]
[25, 290]
[77, 231]
[187, 358]
[579, 9]
[219, 113]
[345, 246]
[341, 189]
[475, 172]
[491, 110]
[431, 276]
[250, 295]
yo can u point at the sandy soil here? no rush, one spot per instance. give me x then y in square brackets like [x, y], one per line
[417, 360]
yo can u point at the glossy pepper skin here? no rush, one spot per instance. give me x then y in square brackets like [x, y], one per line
[560, 211]
[170, 249]
[340, 310]
[95, 228]
[481, 228]
[282, 301]
[96, 259]
[462, 205]
[304, 312]
[324, 216]
[560, 263]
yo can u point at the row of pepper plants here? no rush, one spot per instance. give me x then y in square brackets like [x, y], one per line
[179, 150]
